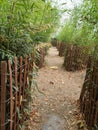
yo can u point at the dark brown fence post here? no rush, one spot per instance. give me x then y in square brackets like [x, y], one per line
[16, 98]
[33, 59]
[96, 114]
[25, 78]
[11, 95]
[20, 80]
[41, 57]
[3, 94]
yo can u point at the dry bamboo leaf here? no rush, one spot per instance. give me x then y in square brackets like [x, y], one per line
[51, 82]
[80, 124]
[54, 67]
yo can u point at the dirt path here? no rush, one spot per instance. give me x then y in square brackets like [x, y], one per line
[57, 110]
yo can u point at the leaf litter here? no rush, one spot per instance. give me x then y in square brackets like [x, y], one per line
[61, 93]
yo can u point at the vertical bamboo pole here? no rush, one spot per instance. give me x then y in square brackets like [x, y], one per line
[96, 114]
[25, 77]
[20, 80]
[3, 94]
[16, 98]
[11, 96]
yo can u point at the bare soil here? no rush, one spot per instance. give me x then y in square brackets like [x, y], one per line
[57, 108]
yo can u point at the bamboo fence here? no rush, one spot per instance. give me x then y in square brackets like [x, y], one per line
[13, 86]
[89, 95]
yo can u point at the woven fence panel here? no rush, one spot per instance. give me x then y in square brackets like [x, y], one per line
[89, 95]
[75, 58]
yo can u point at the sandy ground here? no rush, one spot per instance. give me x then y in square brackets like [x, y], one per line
[56, 109]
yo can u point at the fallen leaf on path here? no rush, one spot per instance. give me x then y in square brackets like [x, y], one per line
[73, 123]
[46, 99]
[37, 114]
[51, 82]
[70, 112]
[33, 112]
[54, 67]
[36, 120]
[80, 124]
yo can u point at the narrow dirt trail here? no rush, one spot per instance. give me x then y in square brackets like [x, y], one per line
[57, 110]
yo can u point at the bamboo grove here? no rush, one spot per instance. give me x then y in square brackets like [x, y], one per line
[82, 26]
[23, 24]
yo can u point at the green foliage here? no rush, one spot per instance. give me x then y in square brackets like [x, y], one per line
[82, 26]
[66, 33]
[24, 23]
